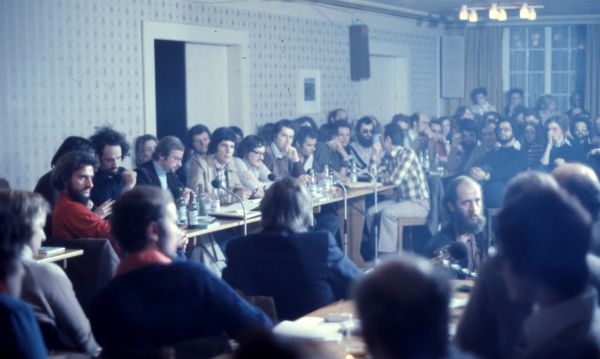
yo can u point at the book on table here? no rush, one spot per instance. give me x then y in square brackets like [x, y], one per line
[50, 251]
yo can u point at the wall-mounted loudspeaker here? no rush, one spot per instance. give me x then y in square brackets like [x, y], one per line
[359, 52]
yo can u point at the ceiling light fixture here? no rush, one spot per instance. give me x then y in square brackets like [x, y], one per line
[498, 12]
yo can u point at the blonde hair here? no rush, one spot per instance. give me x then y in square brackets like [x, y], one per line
[26, 205]
[286, 206]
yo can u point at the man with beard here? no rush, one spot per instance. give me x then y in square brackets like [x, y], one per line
[464, 206]
[72, 217]
[499, 165]
[362, 146]
[111, 179]
[582, 143]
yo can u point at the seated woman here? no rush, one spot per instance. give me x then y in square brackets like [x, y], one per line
[251, 170]
[218, 164]
[558, 149]
[301, 270]
[45, 285]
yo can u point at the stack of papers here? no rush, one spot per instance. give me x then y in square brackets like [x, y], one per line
[310, 328]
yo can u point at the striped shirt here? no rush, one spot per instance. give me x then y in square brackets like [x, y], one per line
[401, 167]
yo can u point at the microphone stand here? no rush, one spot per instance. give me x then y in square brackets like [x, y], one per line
[218, 185]
[375, 224]
[343, 187]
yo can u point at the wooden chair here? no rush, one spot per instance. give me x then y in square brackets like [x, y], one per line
[408, 222]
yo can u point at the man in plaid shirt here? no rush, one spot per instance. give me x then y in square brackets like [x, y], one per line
[399, 166]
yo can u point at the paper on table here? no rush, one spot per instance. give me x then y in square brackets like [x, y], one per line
[458, 302]
[310, 327]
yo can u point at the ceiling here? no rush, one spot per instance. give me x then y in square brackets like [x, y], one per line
[448, 9]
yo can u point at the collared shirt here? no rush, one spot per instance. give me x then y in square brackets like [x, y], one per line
[546, 323]
[401, 168]
[162, 176]
[278, 154]
[140, 259]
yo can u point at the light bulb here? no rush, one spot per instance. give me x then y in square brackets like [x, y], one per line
[493, 13]
[502, 14]
[524, 12]
[464, 13]
[473, 16]
[532, 15]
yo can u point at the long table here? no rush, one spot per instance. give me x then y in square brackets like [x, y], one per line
[356, 203]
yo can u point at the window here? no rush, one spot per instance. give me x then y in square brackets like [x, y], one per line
[547, 60]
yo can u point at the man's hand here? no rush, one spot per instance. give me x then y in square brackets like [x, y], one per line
[185, 193]
[376, 153]
[478, 174]
[258, 192]
[559, 161]
[183, 240]
[243, 193]
[105, 209]
[130, 178]
[292, 154]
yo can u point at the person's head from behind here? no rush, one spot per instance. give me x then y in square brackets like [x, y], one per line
[464, 204]
[169, 153]
[343, 129]
[12, 232]
[468, 131]
[581, 182]
[403, 307]
[283, 135]
[393, 137]
[305, 140]
[252, 149]
[72, 143]
[31, 208]
[145, 218]
[479, 96]
[286, 207]
[111, 147]
[365, 129]
[74, 173]
[543, 239]
[145, 145]
[198, 138]
[222, 144]
[305, 121]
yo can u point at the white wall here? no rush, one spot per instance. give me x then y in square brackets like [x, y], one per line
[67, 66]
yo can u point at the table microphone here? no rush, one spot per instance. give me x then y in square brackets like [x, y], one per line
[343, 187]
[375, 222]
[272, 177]
[219, 185]
[450, 257]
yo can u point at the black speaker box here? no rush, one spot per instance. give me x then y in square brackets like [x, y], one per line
[359, 52]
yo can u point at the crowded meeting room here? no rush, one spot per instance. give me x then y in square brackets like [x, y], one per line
[315, 179]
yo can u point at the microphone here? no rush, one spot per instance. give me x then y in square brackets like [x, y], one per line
[375, 223]
[272, 177]
[343, 187]
[451, 257]
[219, 185]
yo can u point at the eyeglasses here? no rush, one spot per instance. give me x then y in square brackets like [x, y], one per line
[177, 159]
[258, 153]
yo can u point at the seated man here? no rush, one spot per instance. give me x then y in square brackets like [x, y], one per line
[398, 166]
[153, 301]
[72, 217]
[362, 145]
[46, 287]
[331, 151]
[111, 179]
[464, 206]
[281, 158]
[21, 337]
[301, 270]
[160, 172]
[403, 307]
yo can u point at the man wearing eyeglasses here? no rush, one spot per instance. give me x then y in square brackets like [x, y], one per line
[160, 172]
[362, 145]
[110, 179]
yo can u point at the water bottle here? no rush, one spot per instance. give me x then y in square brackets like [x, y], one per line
[215, 200]
[201, 202]
[326, 183]
[426, 162]
[193, 211]
[353, 170]
[312, 183]
[181, 210]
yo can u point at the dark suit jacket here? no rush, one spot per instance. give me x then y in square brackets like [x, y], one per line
[301, 271]
[147, 176]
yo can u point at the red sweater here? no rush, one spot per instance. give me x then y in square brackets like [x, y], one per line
[72, 219]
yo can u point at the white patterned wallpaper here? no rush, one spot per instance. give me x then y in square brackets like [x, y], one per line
[67, 66]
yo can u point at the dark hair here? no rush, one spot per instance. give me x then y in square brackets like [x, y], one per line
[435, 122]
[139, 147]
[4, 183]
[460, 112]
[327, 131]
[342, 124]
[365, 120]
[303, 133]
[403, 307]
[394, 132]
[581, 184]
[515, 90]
[237, 131]
[166, 145]
[134, 211]
[266, 131]
[12, 231]
[562, 122]
[249, 143]
[478, 91]
[399, 117]
[72, 143]
[576, 100]
[468, 126]
[106, 136]
[300, 120]
[195, 130]
[279, 125]
[545, 235]
[333, 114]
[219, 135]
[68, 164]
[580, 118]
[286, 206]
[496, 116]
